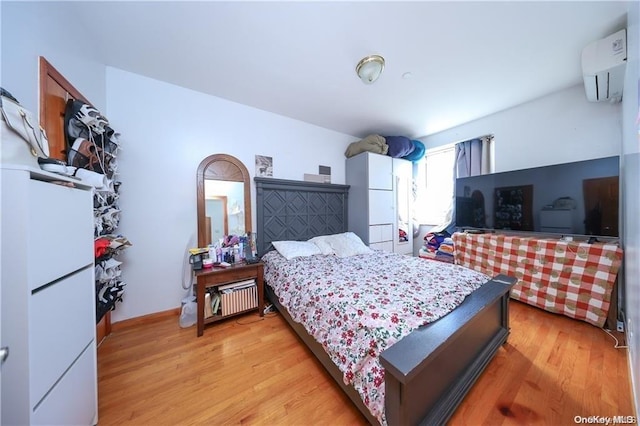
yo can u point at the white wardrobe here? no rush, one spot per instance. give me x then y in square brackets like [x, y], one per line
[380, 201]
[47, 300]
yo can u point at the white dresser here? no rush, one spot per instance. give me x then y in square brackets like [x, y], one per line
[48, 300]
[380, 200]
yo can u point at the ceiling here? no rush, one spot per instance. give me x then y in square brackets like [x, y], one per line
[466, 59]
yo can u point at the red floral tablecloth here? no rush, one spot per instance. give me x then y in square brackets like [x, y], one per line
[565, 277]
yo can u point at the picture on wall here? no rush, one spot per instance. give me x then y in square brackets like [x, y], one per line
[264, 166]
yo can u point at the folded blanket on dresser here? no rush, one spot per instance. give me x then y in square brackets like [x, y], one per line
[372, 143]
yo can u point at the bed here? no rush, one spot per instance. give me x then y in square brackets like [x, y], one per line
[428, 371]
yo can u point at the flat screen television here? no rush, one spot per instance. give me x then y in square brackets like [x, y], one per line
[580, 198]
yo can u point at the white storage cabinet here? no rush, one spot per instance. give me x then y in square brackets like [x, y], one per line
[48, 300]
[375, 181]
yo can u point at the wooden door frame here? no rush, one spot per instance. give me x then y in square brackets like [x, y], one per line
[47, 77]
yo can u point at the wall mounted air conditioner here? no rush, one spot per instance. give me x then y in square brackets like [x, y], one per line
[603, 66]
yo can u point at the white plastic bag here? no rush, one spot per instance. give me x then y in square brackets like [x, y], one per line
[23, 140]
[188, 314]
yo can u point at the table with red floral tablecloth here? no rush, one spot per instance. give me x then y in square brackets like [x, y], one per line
[572, 278]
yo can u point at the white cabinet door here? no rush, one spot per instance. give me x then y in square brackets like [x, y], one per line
[381, 207]
[62, 325]
[58, 229]
[386, 246]
[73, 400]
[380, 233]
[380, 171]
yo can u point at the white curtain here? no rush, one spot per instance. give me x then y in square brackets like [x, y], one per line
[433, 175]
[468, 158]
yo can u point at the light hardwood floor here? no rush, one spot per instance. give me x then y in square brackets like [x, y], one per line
[248, 370]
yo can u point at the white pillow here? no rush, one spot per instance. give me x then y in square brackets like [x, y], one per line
[347, 244]
[323, 244]
[291, 249]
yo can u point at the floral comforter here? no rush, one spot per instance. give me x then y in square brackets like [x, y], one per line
[358, 306]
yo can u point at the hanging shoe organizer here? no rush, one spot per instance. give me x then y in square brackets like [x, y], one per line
[92, 148]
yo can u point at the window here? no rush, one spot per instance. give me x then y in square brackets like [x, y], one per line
[436, 175]
[435, 198]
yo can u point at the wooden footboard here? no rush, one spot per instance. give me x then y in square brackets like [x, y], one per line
[429, 372]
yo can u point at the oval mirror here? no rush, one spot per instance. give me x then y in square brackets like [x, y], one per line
[224, 198]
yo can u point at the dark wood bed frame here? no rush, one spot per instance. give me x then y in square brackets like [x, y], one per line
[428, 372]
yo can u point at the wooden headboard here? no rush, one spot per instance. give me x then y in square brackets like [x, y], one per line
[298, 210]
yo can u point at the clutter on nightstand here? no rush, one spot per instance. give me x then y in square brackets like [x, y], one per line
[228, 251]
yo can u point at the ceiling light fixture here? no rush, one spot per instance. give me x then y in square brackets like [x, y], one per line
[370, 68]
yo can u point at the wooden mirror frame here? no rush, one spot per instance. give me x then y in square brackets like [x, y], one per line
[221, 167]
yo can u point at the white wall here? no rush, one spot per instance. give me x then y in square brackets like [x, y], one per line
[631, 196]
[166, 131]
[30, 30]
[559, 128]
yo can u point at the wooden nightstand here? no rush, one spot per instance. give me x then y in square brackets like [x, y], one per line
[216, 277]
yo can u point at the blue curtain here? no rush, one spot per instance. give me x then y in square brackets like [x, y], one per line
[468, 162]
[468, 158]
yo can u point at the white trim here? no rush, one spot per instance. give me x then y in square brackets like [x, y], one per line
[438, 149]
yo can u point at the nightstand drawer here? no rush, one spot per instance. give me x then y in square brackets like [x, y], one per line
[59, 231]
